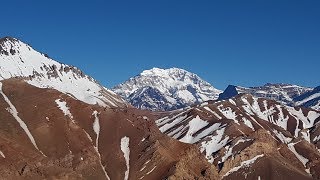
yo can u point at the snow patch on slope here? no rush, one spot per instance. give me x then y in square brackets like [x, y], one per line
[1, 153]
[99, 155]
[228, 113]
[211, 111]
[167, 126]
[302, 159]
[62, 105]
[96, 127]
[308, 121]
[126, 153]
[194, 126]
[246, 163]
[13, 111]
[229, 149]
[282, 137]
[214, 144]
[81, 89]
[248, 123]
[149, 172]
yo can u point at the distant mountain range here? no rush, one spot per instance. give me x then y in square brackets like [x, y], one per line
[309, 99]
[170, 89]
[59, 123]
[288, 94]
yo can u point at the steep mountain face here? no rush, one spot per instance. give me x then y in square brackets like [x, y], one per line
[148, 98]
[46, 134]
[166, 89]
[18, 59]
[284, 93]
[309, 99]
[251, 138]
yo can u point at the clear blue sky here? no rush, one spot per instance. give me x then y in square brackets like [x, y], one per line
[225, 42]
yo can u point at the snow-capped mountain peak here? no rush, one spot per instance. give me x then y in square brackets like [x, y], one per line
[20, 60]
[171, 72]
[8, 43]
[176, 87]
[154, 72]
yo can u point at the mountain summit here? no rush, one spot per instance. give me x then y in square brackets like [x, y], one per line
[166, 89]
[19, 60]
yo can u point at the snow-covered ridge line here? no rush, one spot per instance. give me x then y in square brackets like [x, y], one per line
[18, 59]
[13, 111]
[124, 144]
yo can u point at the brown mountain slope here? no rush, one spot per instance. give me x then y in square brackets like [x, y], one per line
[45, 134]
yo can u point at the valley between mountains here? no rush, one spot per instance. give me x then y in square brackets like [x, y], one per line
[56, 122]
